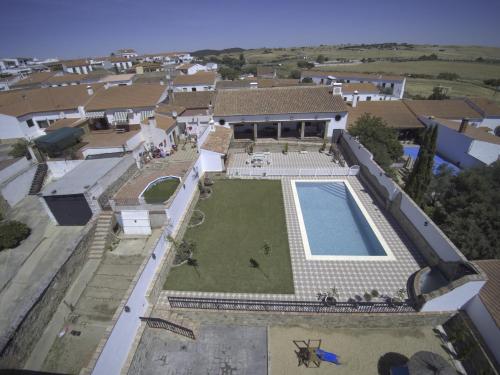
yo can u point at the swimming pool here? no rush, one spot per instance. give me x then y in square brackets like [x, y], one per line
[412, 152]
[334, 224]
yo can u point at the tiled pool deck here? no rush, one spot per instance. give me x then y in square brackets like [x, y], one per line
[350, 277]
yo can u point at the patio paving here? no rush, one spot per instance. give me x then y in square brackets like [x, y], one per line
[293, 160]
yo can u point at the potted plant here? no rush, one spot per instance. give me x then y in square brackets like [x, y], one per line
[250, 148]
[323, 147]
[331, 297]
[367, 296]
[285, 148]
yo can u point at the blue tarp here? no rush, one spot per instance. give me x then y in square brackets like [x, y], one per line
[327, 356]
[412, 152]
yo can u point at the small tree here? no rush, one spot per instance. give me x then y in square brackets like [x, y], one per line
[294, 74]
[193, 263]
[307, 80]
[12, 233]
[19, 149]
[439, 93]
[254, 263]
[285, 148]
[267, 248]
[321, 59]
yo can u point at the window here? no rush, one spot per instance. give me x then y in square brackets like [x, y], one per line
[392, 85]
[43, 124]
[184, 89]
[383, 85]
[193, 88]
[345, 98]
[348, 81]
[337, 118]
[368, 98]
[30, 123]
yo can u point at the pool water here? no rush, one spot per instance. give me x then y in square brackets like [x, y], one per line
[412, 152]
[333, 221]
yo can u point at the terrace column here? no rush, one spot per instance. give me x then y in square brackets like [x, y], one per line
[325, 129]
[254, 132]
[302, 129]
[279, 130]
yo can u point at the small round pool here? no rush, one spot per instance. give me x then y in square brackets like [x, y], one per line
[160, 190]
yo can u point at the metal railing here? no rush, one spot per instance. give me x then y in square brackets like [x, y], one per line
[169, 326]
[300, 172]
[288, 306]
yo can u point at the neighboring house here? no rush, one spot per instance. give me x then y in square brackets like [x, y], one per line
[257, 83]
[452, 109]
[484, 308]
[160, 131]
[15, 65]
[212, 66]
[394, 113]
[80, 66]
[33, 80]
[6, 83]
[201, 81]
[194, 68]
[118, 63]
[464, 145]
[124, 106]
[27, 113]
[489, 110]
[128, 53]
[391, 85]
[148, 67]
[282, 112]
[196, 113]
[214, 149]
[117, 80]
[365, 92]
[71, 79]
[266, 72]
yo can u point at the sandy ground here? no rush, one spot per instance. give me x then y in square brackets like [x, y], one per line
[359, 349]
[96, 306]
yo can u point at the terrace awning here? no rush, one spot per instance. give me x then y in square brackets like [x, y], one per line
[121, 117]
[146, 114]
[99, 114]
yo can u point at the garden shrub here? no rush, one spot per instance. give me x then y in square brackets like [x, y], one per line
[12, 233]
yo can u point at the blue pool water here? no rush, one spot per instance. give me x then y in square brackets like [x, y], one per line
[412, 151]
[334, 223]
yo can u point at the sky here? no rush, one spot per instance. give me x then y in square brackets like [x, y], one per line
[81, 28]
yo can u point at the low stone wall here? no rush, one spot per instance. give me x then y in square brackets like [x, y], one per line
[116, 185]
[24, 337]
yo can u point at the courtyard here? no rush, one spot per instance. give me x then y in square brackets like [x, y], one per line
[242, 218]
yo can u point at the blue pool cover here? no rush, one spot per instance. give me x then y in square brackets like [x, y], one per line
[412, 152]
[334, 223]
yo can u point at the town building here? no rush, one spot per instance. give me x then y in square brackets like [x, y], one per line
[390, 85]
[201, 81]
[128, 53]
[79, 66]
[117, 80]
[282, 112]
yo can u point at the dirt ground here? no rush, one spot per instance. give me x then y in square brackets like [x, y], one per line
[92, 314]
[359, 349]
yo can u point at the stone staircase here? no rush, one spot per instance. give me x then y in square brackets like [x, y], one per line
[101, 235]
[37, 183]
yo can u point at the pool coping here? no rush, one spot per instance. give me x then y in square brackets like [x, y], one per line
[305, 240]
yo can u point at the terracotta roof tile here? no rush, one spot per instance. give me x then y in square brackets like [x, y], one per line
[452, 108]
[485, 106]
[278, 100]
[190, 100]
[134, 96]
[218, 140]
[34, 79]
[200, 78]
[490, 293]
[347, 75]
[472, 132]
[393, 112]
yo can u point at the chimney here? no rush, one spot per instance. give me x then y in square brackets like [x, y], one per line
[355, 99]
[162, 83]
[151, 121]
[337, 88]
[463, 125]
[90, 90]
[254, 85]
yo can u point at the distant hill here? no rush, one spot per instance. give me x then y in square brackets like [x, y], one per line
[207, 52]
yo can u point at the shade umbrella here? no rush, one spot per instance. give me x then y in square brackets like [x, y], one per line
[428, 363]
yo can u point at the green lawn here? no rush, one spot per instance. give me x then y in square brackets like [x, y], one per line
[161, 191]
[240, 216]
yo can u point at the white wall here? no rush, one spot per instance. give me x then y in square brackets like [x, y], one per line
[15, 168]
[455, 299]
[14, 191]
[484, 324]
[211, 161]
[189, 88]
[490, 122]
[484, 151]
[59, 168]
[136, 222]
[10, 127]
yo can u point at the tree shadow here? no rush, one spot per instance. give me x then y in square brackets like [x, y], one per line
[389, 360]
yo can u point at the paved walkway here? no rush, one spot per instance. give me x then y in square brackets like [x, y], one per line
[293, 160]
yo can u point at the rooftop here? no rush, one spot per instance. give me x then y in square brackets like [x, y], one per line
[479, 134]
[451, 108]
[134, 96]
[490, 293]
[278, 100]
[65, 123]
[117, 78]
[200, 78]
[69, 78]
[74, 63]
[169, 109]
[343, 75]
[393, 112]
[33, 79]
[485, 106]
[190, 100]
[81, 178]
[218, 140]
[51, 99]
[106, 138]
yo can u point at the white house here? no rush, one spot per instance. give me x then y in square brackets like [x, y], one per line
[27, 113]
[189, 69]
[484, 310]
[391, 85]
[160, 131]
[118, 79]
[201, 81]
[464, 145]
[128, 53]
[214, 147]
[117, 62]
[364, 92]
[124, 106]
[80, 66]
[282, 112]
